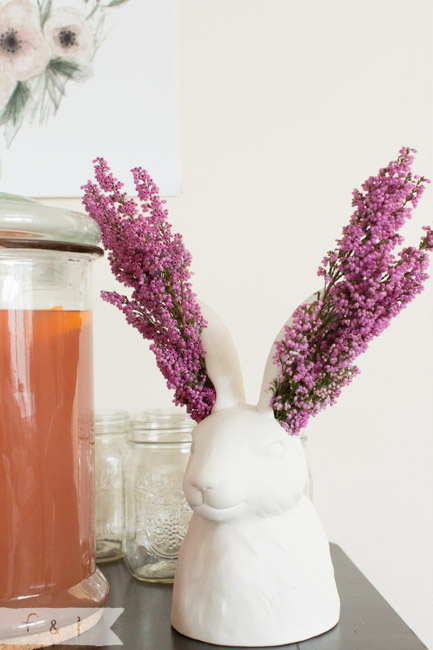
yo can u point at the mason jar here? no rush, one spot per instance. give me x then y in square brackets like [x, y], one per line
[156, 512]
[47, 497]
[111, 428]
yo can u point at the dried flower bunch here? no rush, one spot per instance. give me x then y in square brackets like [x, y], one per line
[366, 282]
[146, 256]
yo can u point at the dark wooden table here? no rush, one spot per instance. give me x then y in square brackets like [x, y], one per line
[367, 620]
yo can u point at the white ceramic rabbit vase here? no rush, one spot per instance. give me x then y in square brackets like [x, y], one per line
[254, 568]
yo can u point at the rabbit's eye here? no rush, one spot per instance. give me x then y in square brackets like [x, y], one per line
[276, 450]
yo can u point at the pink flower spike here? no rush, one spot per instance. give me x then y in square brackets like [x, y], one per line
[146, 257]
[368, 279]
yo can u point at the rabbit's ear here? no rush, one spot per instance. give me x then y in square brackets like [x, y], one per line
[271, 369]
[222, 362]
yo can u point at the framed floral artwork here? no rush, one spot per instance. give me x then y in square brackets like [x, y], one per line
[87, 78]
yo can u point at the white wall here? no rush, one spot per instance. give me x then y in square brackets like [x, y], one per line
[286, 107]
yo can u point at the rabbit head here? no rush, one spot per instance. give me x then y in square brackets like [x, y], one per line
[242, 461]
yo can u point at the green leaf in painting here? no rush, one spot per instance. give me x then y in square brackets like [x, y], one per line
[16, 104]
[44, 10]
[63, 67]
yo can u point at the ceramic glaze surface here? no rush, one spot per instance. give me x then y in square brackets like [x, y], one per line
[254, 568]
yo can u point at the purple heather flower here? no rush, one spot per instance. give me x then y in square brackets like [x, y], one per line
[366, 283]
[368, 279]
[145, 256]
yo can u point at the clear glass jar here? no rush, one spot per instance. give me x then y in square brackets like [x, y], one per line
[156, 512]
[111, 428]
[47, 530]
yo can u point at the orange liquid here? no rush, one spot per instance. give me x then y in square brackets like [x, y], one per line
[46, 451]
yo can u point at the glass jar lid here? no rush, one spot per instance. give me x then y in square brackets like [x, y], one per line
[111, 421]
[161, 425]
[24, 218]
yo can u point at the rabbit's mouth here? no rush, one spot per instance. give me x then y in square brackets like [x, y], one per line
[220, 514]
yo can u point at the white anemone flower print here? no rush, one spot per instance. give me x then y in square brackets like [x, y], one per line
[42, 49]
[24, 53]
[70, 36]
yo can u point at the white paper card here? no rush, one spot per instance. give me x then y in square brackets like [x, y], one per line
[126, 109]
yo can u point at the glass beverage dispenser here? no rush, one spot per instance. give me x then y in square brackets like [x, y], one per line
[47, 529]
